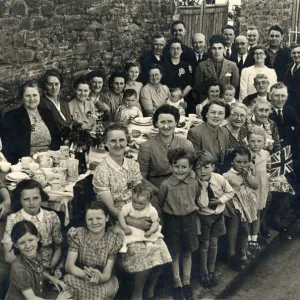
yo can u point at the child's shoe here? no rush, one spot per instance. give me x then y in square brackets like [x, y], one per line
[177, 293]
[204, 281]
[213, 279]
[124, 249]
[188, 292]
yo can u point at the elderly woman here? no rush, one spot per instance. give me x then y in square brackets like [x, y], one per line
[209, 135]
[29, 129]
[248, 74]
[52, 82]
[114, 96]
[260, 118]
[152, 157]
[113, 182]
[91, 256]
[154, 94]
[83, 110]
[214, 90]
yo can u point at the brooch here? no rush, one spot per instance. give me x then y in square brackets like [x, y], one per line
[181, 72]
[88, 114]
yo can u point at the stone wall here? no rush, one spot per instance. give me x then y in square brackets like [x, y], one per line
[264, 13]
[74, 36]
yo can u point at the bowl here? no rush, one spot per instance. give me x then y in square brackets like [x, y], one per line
[136, 133]
[16, 168]
[5, 166]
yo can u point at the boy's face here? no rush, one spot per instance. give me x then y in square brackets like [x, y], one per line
[256, 142]
[140, 202]
[130, 101]
[228, 95]
[204, 171]
[175, 96]
[181, 168]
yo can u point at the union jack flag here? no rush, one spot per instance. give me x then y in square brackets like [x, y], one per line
[281, 162]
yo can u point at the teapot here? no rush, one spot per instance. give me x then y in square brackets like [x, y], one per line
[45, 161]
[39, 176]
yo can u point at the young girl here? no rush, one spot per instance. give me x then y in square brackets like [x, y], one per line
[177, 100]
[140, 207]
[27, 271]
[260, 159]
[229, 92]
[128, 110]
[241, 211]
[177, 199]
[27, 198]
[215, 192]
[132, 70]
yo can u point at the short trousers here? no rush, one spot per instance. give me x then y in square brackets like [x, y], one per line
[211, 226]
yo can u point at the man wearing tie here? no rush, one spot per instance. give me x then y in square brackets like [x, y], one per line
[229, 35]
[253, 37]
[243, 59]
[292, 80]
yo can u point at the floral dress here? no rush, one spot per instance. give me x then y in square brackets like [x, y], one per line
[119, 181]
[93, 254]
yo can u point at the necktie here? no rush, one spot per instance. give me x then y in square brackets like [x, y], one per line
[240, 63]
[253, 159]
[280, 115]
[198, 58]
[211, 195]
[227, 53]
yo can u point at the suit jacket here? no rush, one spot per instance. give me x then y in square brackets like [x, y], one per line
[195, 63]
[248, 101]
[147, 61]
[287, 135]
[292, 81]
[17, 132]
[281, 63]
[233, 54]
[249, 61]
[206, 70]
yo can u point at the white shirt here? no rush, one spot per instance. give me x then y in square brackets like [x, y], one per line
[29, 217]
[243, 56]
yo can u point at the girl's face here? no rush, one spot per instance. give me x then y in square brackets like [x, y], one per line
[116, 143]
[52, 86]
[130, 101]
[96, 220]
[214, 92]
[31, 97]
[31, 201]
[82, 92]
[28, 245]
[240, 162]
[97, 84]
[133, 73]
[181, 168]
[215, 115]
[256, 142]
[166, 124]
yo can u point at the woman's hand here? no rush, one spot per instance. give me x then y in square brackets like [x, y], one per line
[96, 278]
[141, 223]
[64, 296]
[59, 285]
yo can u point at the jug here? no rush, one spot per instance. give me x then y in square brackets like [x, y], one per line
[72, 166]
[45, 161]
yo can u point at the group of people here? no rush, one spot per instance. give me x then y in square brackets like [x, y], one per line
[181, 194]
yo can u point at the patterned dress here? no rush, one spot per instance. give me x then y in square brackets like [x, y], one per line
[93, 254]
[119, 181]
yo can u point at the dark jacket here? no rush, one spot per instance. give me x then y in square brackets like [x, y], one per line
[195, 63]
[17, 132]
[248, 101]
[147, 60]
[281, 63]
[249, 61]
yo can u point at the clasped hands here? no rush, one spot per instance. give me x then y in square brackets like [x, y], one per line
[94, 276]
[128, 231]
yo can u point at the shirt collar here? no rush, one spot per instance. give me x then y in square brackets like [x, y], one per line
[213, 180]
[269, 49]
[116, 166]
[234, 171]
[29, 217]
[174, 181]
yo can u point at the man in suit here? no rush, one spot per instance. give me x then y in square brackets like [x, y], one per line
[229, 35]
[152, 57]
[292, 79]
[178, 32]
[278, 57]
[217, 67]
[252, 36]
[261, 85]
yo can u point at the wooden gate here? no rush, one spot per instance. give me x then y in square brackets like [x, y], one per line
[207, 19]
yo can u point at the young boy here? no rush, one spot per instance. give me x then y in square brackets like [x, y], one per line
[128, 111]
[177, 198]
[177, 100]
[215, 192]
[229, 92]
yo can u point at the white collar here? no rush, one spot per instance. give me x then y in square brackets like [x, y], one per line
[276, 109]
[116, 166]
[29, 217]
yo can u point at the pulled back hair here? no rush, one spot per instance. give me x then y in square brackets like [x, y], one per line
[54, 73]
[96, 73]
[28, 84]
[117, 126]
[115, 75]
[180, 153]
[81, 80]
[19, 230]
[166, 109]
[217, 102]
[239, 151]
[27, 184]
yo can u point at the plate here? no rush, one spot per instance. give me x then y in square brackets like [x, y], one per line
[16, 176]
[142, 121]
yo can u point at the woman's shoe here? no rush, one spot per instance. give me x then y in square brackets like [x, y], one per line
[204, 281]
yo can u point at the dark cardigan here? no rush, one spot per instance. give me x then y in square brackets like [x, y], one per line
[17, 132]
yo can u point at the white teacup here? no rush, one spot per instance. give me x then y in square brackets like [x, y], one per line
[16, 168]
[5, 166]
[26, 161]
[55, 185]
[33, 166]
